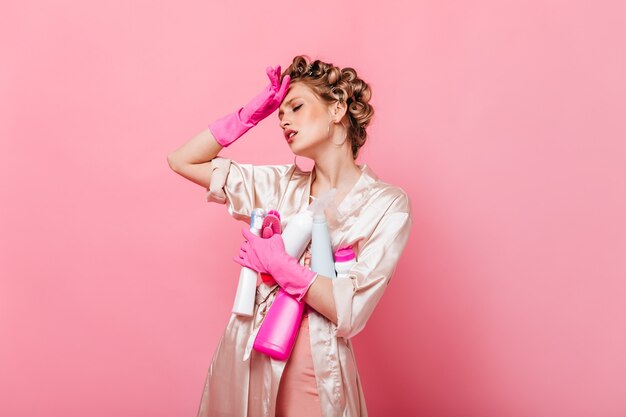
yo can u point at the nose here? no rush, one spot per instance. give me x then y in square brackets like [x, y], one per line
[284, 123]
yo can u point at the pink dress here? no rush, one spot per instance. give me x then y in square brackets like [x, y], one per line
[298, 394]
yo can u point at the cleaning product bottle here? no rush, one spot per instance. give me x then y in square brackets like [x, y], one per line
[246, 289]
[280, 326]
[345, 259]
[322, 260]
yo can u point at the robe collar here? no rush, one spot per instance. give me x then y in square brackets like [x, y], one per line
[354, 199]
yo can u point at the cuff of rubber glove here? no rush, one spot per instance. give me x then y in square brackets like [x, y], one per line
[229, 128]
[306, 289]
[293, 278]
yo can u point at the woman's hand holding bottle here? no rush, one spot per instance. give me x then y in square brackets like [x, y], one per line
[231, 127]
[269, 256]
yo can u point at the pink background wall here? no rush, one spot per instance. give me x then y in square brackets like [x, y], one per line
[503, 120]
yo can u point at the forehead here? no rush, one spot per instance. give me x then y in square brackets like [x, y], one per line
[295, 91]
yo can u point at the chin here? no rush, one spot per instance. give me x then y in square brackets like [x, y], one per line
[305, 150]
[302, 153]
[297, 150]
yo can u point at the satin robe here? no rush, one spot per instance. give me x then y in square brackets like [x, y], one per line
[374, 217]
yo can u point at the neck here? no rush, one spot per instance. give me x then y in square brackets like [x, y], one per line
[335, 167]
[335, 173]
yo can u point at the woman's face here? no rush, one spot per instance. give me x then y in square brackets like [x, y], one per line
[303, 112]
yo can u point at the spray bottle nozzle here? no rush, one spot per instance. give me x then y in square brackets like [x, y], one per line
[322, 202]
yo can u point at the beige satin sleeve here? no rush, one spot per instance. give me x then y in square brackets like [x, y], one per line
[243, 187]
[357, 294]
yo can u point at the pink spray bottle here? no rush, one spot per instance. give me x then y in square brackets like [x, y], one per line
[281, 324]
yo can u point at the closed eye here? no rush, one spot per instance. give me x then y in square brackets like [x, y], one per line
[280, 114]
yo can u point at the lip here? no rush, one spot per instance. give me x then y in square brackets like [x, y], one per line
[289, 132]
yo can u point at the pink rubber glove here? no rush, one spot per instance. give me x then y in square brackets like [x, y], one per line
[269, 256]
[231, 127]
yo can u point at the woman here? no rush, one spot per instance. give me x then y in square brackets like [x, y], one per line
[328, 110]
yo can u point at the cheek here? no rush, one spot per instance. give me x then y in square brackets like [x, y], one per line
[316, 130]
[312, 125]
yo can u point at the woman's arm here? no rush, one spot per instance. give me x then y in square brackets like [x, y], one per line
[192, 160]
[320, 297]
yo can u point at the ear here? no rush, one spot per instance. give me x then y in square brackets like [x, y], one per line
[338, 110]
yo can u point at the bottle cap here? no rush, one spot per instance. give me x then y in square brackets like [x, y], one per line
[256, 220]
[344, 254]
[274, 212]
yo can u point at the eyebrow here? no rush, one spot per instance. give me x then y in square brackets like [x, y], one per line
[280, 111]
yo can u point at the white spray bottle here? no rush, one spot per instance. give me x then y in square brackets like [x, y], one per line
[322, 260]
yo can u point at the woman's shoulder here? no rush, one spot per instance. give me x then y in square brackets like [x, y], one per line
[394, 196]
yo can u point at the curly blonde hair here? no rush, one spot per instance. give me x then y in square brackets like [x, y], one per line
[330, 84]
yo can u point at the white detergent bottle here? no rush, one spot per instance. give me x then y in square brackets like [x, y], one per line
[345, 259]
[322, 260]
[297, 234]
[246, 289]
